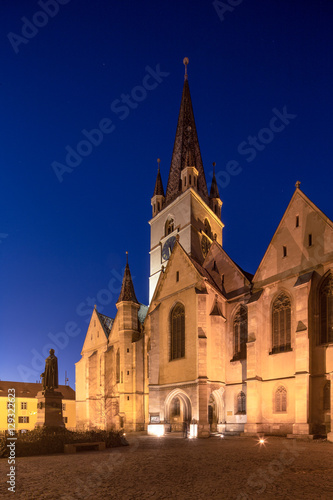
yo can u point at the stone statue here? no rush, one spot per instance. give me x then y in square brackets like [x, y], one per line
[50, 376]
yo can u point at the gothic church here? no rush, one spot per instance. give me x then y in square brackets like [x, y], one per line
[217, 347]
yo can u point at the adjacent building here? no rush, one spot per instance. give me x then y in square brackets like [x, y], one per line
[26, 405]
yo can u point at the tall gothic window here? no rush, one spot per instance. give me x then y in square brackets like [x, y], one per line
[118, 367]
[327, 396]
[175, 408]
[281, 324]
[177, 332]
[326, 310]
[241, 403]
[280, 399]
[240, 333]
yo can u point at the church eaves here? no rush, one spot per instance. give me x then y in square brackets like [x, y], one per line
[186, 146]
[127, 293]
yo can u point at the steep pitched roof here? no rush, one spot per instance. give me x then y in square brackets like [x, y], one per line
[186, 146]
[205, 274]
[127, 293]
[106, 323]
[158, 185]
[247, 275]
[199, 271]
[30, 389]
[283, 233]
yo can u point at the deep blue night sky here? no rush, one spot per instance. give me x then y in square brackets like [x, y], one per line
[63, 244]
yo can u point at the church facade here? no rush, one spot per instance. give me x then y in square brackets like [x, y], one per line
[218, 348]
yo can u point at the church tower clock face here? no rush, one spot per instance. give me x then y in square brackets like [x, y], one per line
[167, 247]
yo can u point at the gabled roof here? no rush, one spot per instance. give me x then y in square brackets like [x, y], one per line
[186, 146]
[200, 272]
[30, 389]
[309, 203]
[106, 323]
[127, 293]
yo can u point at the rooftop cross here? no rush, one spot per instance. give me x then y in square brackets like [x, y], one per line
[297, 185]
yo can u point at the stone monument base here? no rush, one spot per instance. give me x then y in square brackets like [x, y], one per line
[49, 409]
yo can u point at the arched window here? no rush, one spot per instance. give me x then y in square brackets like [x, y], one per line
[240, 333]
[118, 367]
[326, 310]
[241, 403]
[281, 324]
[327, 396]
[177, 332]
[280, 399]
[169, 226]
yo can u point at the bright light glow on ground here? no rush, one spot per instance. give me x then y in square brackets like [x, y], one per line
[156, 430]
[261, 441]
[222, 436]
[193, 430]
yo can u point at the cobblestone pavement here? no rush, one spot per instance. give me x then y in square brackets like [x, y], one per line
[176, 468]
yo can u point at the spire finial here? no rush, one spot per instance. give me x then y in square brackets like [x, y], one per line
[126, 258]
[185, 61]
[214, 164]
[158, 163]
[297, 185]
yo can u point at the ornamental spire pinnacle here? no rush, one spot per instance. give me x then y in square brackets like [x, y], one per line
[214, 192]
[159, 191]
[186, 61]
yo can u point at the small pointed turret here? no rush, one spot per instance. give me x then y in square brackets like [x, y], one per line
[127, 293]
[158, 199]
[158, 191]
[186, 146]
[215, 202]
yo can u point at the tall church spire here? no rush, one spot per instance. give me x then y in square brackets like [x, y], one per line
[186, 145]
[127, 293]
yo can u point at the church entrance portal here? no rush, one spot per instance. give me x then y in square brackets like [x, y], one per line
[216, 409]
[177, 410]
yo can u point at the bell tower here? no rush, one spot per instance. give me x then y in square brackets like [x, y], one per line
[186, 210]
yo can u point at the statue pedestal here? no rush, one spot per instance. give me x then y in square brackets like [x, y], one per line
[49, 409]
